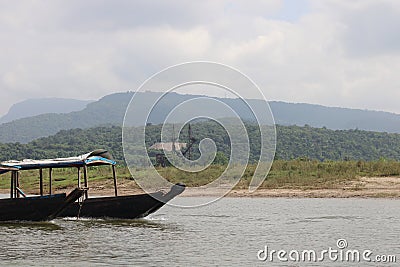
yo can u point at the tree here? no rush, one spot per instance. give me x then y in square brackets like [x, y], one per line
[220, 159]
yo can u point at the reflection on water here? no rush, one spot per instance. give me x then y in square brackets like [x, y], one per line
[44, 226]
[140, 223]
[228, 232]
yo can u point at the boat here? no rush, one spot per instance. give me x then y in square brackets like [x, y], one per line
[19, 207]
[122, 207]
[116, 206]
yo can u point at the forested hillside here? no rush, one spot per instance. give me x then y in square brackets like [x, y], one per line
[292, 142]
[110, 110]
[107, 111]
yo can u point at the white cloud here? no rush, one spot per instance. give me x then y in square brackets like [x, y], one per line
[336, 52]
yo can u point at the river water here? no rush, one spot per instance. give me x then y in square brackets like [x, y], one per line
[229, 232]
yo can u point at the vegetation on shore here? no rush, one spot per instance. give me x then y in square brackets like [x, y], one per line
[293, 142]
[292, 174]
[306, 157]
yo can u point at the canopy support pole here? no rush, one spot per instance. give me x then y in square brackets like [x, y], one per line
[17, 195]
[15, 185]
[41, 181]
[79, 177]
[12, 184]
[115, 180]
[85, 180]
[50, 180]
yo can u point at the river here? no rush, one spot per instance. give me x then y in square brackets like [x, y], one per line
[229, 232]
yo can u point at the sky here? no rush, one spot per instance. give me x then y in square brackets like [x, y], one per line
[332, 52]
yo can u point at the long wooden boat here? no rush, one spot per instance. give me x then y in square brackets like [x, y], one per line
[120, 207]
[19, 207]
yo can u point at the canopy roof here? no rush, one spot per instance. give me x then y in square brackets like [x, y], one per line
[4, 169]
[95, 158]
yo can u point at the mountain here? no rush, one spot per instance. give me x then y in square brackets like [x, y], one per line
[110, 110]
[334, 117]
[33, 107]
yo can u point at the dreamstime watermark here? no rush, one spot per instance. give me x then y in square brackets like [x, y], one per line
[207, 91]
[340, 253]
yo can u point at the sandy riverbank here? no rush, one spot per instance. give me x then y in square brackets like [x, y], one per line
[366, 187]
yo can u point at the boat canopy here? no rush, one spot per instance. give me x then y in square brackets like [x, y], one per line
[94, 158]
[4, 169]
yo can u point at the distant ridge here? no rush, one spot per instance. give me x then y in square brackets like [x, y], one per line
[33, 107]
[334, 118]
[110, 110]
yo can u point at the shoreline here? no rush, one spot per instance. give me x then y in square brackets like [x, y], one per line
[263, 193]
[365, 187]
[316, 193]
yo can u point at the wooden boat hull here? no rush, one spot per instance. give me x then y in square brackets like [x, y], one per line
[40, 208]
[122, 207]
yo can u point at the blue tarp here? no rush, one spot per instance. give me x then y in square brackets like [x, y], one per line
[90, 159]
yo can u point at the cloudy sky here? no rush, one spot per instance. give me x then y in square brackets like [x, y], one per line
[331, 52]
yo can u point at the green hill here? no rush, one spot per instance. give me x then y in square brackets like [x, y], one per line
[107, 111]
[110, 110]
[292, 142]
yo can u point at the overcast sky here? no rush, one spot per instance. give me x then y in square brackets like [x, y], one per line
[332, 52]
